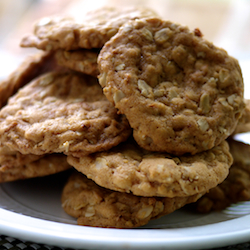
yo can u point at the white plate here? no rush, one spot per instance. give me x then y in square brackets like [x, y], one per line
[31, 210]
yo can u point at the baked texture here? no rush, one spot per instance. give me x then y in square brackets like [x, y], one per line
[128, 168]
[84, 61]
[14, 158]
[30, 68]
[179, 92]
[61, 113]
[100, 207]
[236, 186]
[243, 125]
[92, 31]
[15, 166]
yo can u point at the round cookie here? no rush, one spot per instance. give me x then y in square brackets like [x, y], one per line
[235, 188]
[128, 168]
[89, 31]
[29, 69]
[61, 113]
[100, 207]
[179, 92]
[84, 61]
[15, 166]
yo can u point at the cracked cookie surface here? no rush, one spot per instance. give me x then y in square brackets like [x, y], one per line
[100, 207]
[61, 113]
[128, 168]
[92, 31]
[180, 93]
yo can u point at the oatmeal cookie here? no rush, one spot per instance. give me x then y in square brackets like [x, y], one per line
[179, 92]
[236, 187]
[61, 113]
[100, 207]
[15, 166]
[243, 125]
[84, 61]
[92, 31]
[32, 67]
[128, 168]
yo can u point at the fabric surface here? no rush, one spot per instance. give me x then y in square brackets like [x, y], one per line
[10, 243]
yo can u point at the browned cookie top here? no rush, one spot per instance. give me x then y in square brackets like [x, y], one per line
[100, 207]
[92, 31]
[61, 112]
[179, 92]
[128, 168]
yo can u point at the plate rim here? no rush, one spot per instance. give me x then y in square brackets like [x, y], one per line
[42, 231]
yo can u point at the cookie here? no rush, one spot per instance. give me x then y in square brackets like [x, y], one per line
[100, 207]
[243, 125]
[179, 92]
[92, 31]
[61, 113]
[15, 166]
[30, 68]
[84, 61]
[235, 188]
[128, 168]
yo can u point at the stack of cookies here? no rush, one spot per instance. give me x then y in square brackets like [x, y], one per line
[140, 107]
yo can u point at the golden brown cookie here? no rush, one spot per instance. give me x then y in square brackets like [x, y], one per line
[128, 168]
[100, 207]
[84, 61]
[29, 69]
[236, 187]
[61, 113]
[92, 31]
[15, 166]
[179, 92]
